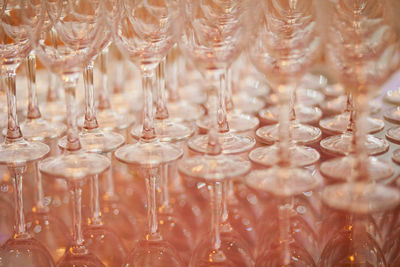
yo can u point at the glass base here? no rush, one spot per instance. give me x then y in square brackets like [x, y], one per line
[40, 129]
[21, 152]
[25, 252]
[54, 111]
[299, 155]
[396, 157]
[96, 141]
[343, 168]
[153, 253]
[304, 114]
[301, 134]
[230, 143]
[393, 96]
[166, 131]
[393, 134]
[283, 181]
[110, 120]
[237, 122]
[148, 154]
[214, 168]
[334, 106]
[79, 259]
[342, 144]
[333, 90]
[193, 93]
[182, 111]
[392, 114]
[361, 197]
[73, 167]
[338, 124]
[247, 104]
[309, 97]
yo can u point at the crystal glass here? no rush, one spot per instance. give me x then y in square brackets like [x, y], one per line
[15, 152]
[212, 51]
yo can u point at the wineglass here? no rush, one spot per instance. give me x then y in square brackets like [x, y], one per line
[73, 51]
[212, 37]
[15, 151]
[179, 109]
[358, 61]
[360, 83]
[145, 33]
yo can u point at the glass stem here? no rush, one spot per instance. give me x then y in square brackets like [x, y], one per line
[76, 194]
[217, 254]
[73, 142]
[359, 138]
[285, 237]
[13, 131]
[95, 205]
[33, 107]
[104, 95]
[284, 93]
[17, 173]
[148, 131]
[90, 112]
[173, 77]
[152, 183]
[228, 99]
[352, 113]
[166, 208]
[223, 126]
[40, 203]
[293, 100]
[110, 190]
[52, 93]
[161, 102]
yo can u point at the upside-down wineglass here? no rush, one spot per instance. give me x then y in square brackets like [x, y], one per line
[15, 152]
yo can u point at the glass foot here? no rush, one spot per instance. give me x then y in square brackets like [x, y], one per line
[393, 96]
[309, 97]
[361, 197]
[342, 144]
[283, 181]
[148, 154]
[304, 114]
[333, 90]
[301, 134]
[40, 129]
[396, 156]
[334, 106]
[214, 168]
[75, 166]
[393, 134]
[343, 168]
[299, 155]
[110, 120]
[392, 114]
[166, 131]
[230, 143]
[22, 152]
[338, 124]
[237, 122]
[247, 104]
[53, 111]
[96, 141]
[182, 111]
